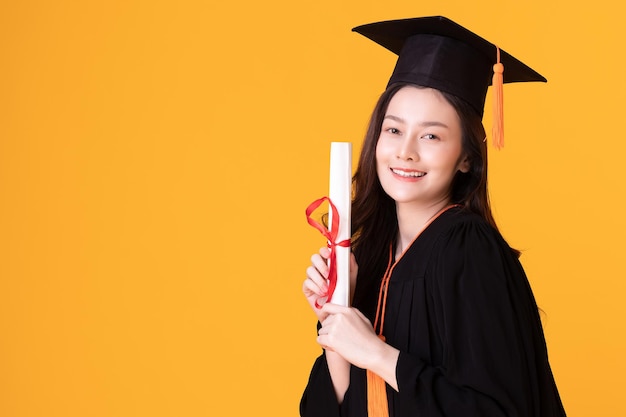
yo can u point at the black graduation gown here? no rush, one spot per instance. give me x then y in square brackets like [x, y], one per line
[462, 313]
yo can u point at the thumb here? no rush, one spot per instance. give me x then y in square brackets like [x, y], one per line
[330, 308]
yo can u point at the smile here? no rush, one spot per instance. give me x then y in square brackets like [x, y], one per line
[407, 174]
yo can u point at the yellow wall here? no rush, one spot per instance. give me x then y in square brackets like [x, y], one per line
[156, 158]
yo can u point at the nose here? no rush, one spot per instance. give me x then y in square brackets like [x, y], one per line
[407, 149]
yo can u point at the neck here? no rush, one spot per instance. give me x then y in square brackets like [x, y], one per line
[412, 220]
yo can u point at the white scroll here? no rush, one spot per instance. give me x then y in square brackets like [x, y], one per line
[340, 194]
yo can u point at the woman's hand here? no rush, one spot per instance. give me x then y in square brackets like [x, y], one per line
[348, 333]
[315, 287]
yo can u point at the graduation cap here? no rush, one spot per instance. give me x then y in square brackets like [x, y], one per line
[439, 53]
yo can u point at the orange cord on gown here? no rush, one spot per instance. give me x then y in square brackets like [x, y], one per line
[377, 405]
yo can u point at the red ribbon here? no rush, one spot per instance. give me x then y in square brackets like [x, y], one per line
[331, 236]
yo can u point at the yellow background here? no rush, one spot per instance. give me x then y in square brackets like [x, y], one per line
[156, 158]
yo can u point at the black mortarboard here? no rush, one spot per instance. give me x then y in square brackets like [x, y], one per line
[439, 53]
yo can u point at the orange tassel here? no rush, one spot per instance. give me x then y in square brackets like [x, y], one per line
[377, 405]
[498, 112]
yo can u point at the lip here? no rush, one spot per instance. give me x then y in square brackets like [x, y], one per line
[407, 174]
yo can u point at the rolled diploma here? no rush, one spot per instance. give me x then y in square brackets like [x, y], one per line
[340, 194]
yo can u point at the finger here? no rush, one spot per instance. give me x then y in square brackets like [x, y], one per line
[330, 308]
[353, 265]
[326, 322]
[320, 264]
[316, 281]
[311, 288]
[322, 317]
[324, 341]
[324, 346]
[354, 270]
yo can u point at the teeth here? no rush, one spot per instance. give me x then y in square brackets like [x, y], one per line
[412, 174]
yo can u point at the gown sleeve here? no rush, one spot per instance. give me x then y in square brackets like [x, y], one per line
[319, 397]
[494, 359]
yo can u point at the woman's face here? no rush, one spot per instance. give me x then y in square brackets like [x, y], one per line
[419, 149]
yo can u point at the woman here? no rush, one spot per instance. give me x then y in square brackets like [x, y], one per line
[442, 312]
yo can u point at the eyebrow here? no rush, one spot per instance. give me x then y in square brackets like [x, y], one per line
[424, 124]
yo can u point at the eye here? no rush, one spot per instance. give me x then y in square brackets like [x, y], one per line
[393, 130]
[430, 136]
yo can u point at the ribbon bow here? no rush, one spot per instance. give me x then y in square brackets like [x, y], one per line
[331, 237]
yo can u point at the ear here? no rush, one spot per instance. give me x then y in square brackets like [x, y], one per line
[464, 165]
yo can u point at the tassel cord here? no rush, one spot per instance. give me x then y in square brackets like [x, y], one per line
[497, 82]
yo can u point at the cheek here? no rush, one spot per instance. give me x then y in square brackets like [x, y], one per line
[383, 150]
[448, 159]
